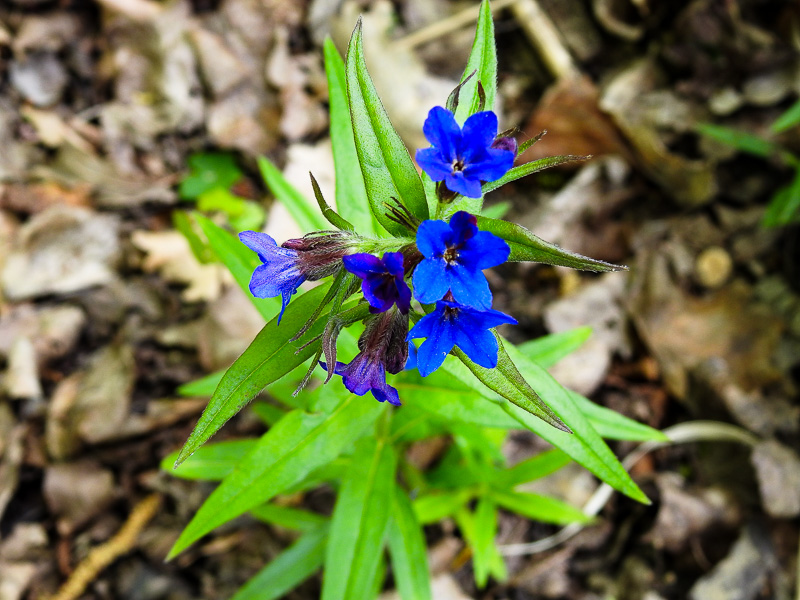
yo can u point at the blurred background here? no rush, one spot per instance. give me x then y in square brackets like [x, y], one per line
[117, 114]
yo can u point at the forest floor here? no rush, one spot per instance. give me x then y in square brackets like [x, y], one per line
[105, 311]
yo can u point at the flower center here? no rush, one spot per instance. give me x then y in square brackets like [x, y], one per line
[458, 165]
[450, 255]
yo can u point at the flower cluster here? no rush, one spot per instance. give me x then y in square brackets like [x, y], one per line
[444, 266]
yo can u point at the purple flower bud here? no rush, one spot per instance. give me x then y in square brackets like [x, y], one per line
[505, 143]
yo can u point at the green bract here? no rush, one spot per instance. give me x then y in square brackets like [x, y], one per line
[328, 435]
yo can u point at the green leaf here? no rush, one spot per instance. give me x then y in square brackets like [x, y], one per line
[787, 120]
[407, 549]
[549, 349]
[614, 426]
[290, 568]
[331, 215]
[529, 168]
[483, 61]
[305, 214]
[535, 467]
[506, 380]
[539, 508]
[210, 463]
[385, 163]
[479, 531]
[351, 195]
[181, 222]
[288, 518]
[269, 357]
[360, 522]
[527, 247]
[496, 211]
[204, 386]
[240, 261]
[584, 445]
[433, 507]
[283, 457]
[784, 208]
[209, 170]
[741, 140]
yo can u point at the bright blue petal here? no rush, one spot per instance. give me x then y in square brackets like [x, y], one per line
[464, 226]
[430, 282]
[433, 163]
[393, 261]
[486, 319]
[403, 297]
[479, 345]
[458, 182]
[491, 166]
[483, 251]
[424, 327]
[386, 393]
[469, 288]
[411, 361]
[433, 237]
[443, 132]
[362, 265]
[432, 352]
[478, 134]
[260, 243]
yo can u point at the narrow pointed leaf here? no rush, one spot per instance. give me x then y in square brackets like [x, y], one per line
[433, 507]
[614, 426]
[408, 552]
[289, 569]
[549, 349]
[529, 168]
[385, 163]
[506, 380]
[288, 517]
[351, 195]
[240, 261]
[360, 522]
[269, 357]
[331, 215]
[212, 462]
[787, 120]
[584, 445]
[525, 246]
[784, 207]
[483, 62]
[539, 508]
[305, 214]
[204, 386]
[283, 457]
[536, 467]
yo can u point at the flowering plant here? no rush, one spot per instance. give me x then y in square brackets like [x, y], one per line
[401, 260]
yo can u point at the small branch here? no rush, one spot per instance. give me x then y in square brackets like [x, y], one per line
[103, 555]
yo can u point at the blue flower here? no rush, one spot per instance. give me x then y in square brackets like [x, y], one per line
[454, 325]
[383, 283]
[364, 374]
[455, 256]
[279, 275]
[411, 363]
[463, 158]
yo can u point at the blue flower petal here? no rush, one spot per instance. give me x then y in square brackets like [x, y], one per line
[411, 361]
[260, 243]
[487, 319]
[464, 226]
[490, 166]
[403, 297]
[480, 345]
[363, 264]
[433, 237]
[459, 182]
[434, 349]
[433, 163]
[478, 134]
[423, 328]
[430, 282]
[483, 251]
[443, 132]
[393, 261]
[469, 288]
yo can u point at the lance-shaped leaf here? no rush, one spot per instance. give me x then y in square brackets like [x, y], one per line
[385, 163]
[331, 215]
[269, 357]
[288, 517]
[539, 508]
[289, 569]
[535, 467]
[528, 168]
[584, 445]
[283, 457]
[407, 549]
[507, 381]
[549, 349]
[483, 63]
[527, 247]
[304, 213]
[351, 195]
[360, 522]
[212, 462]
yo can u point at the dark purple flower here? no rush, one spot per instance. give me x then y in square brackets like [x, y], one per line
[383, 283]
[285, 267]
[455, 256]
[383, 348]
[463, 158]
[452, 324]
